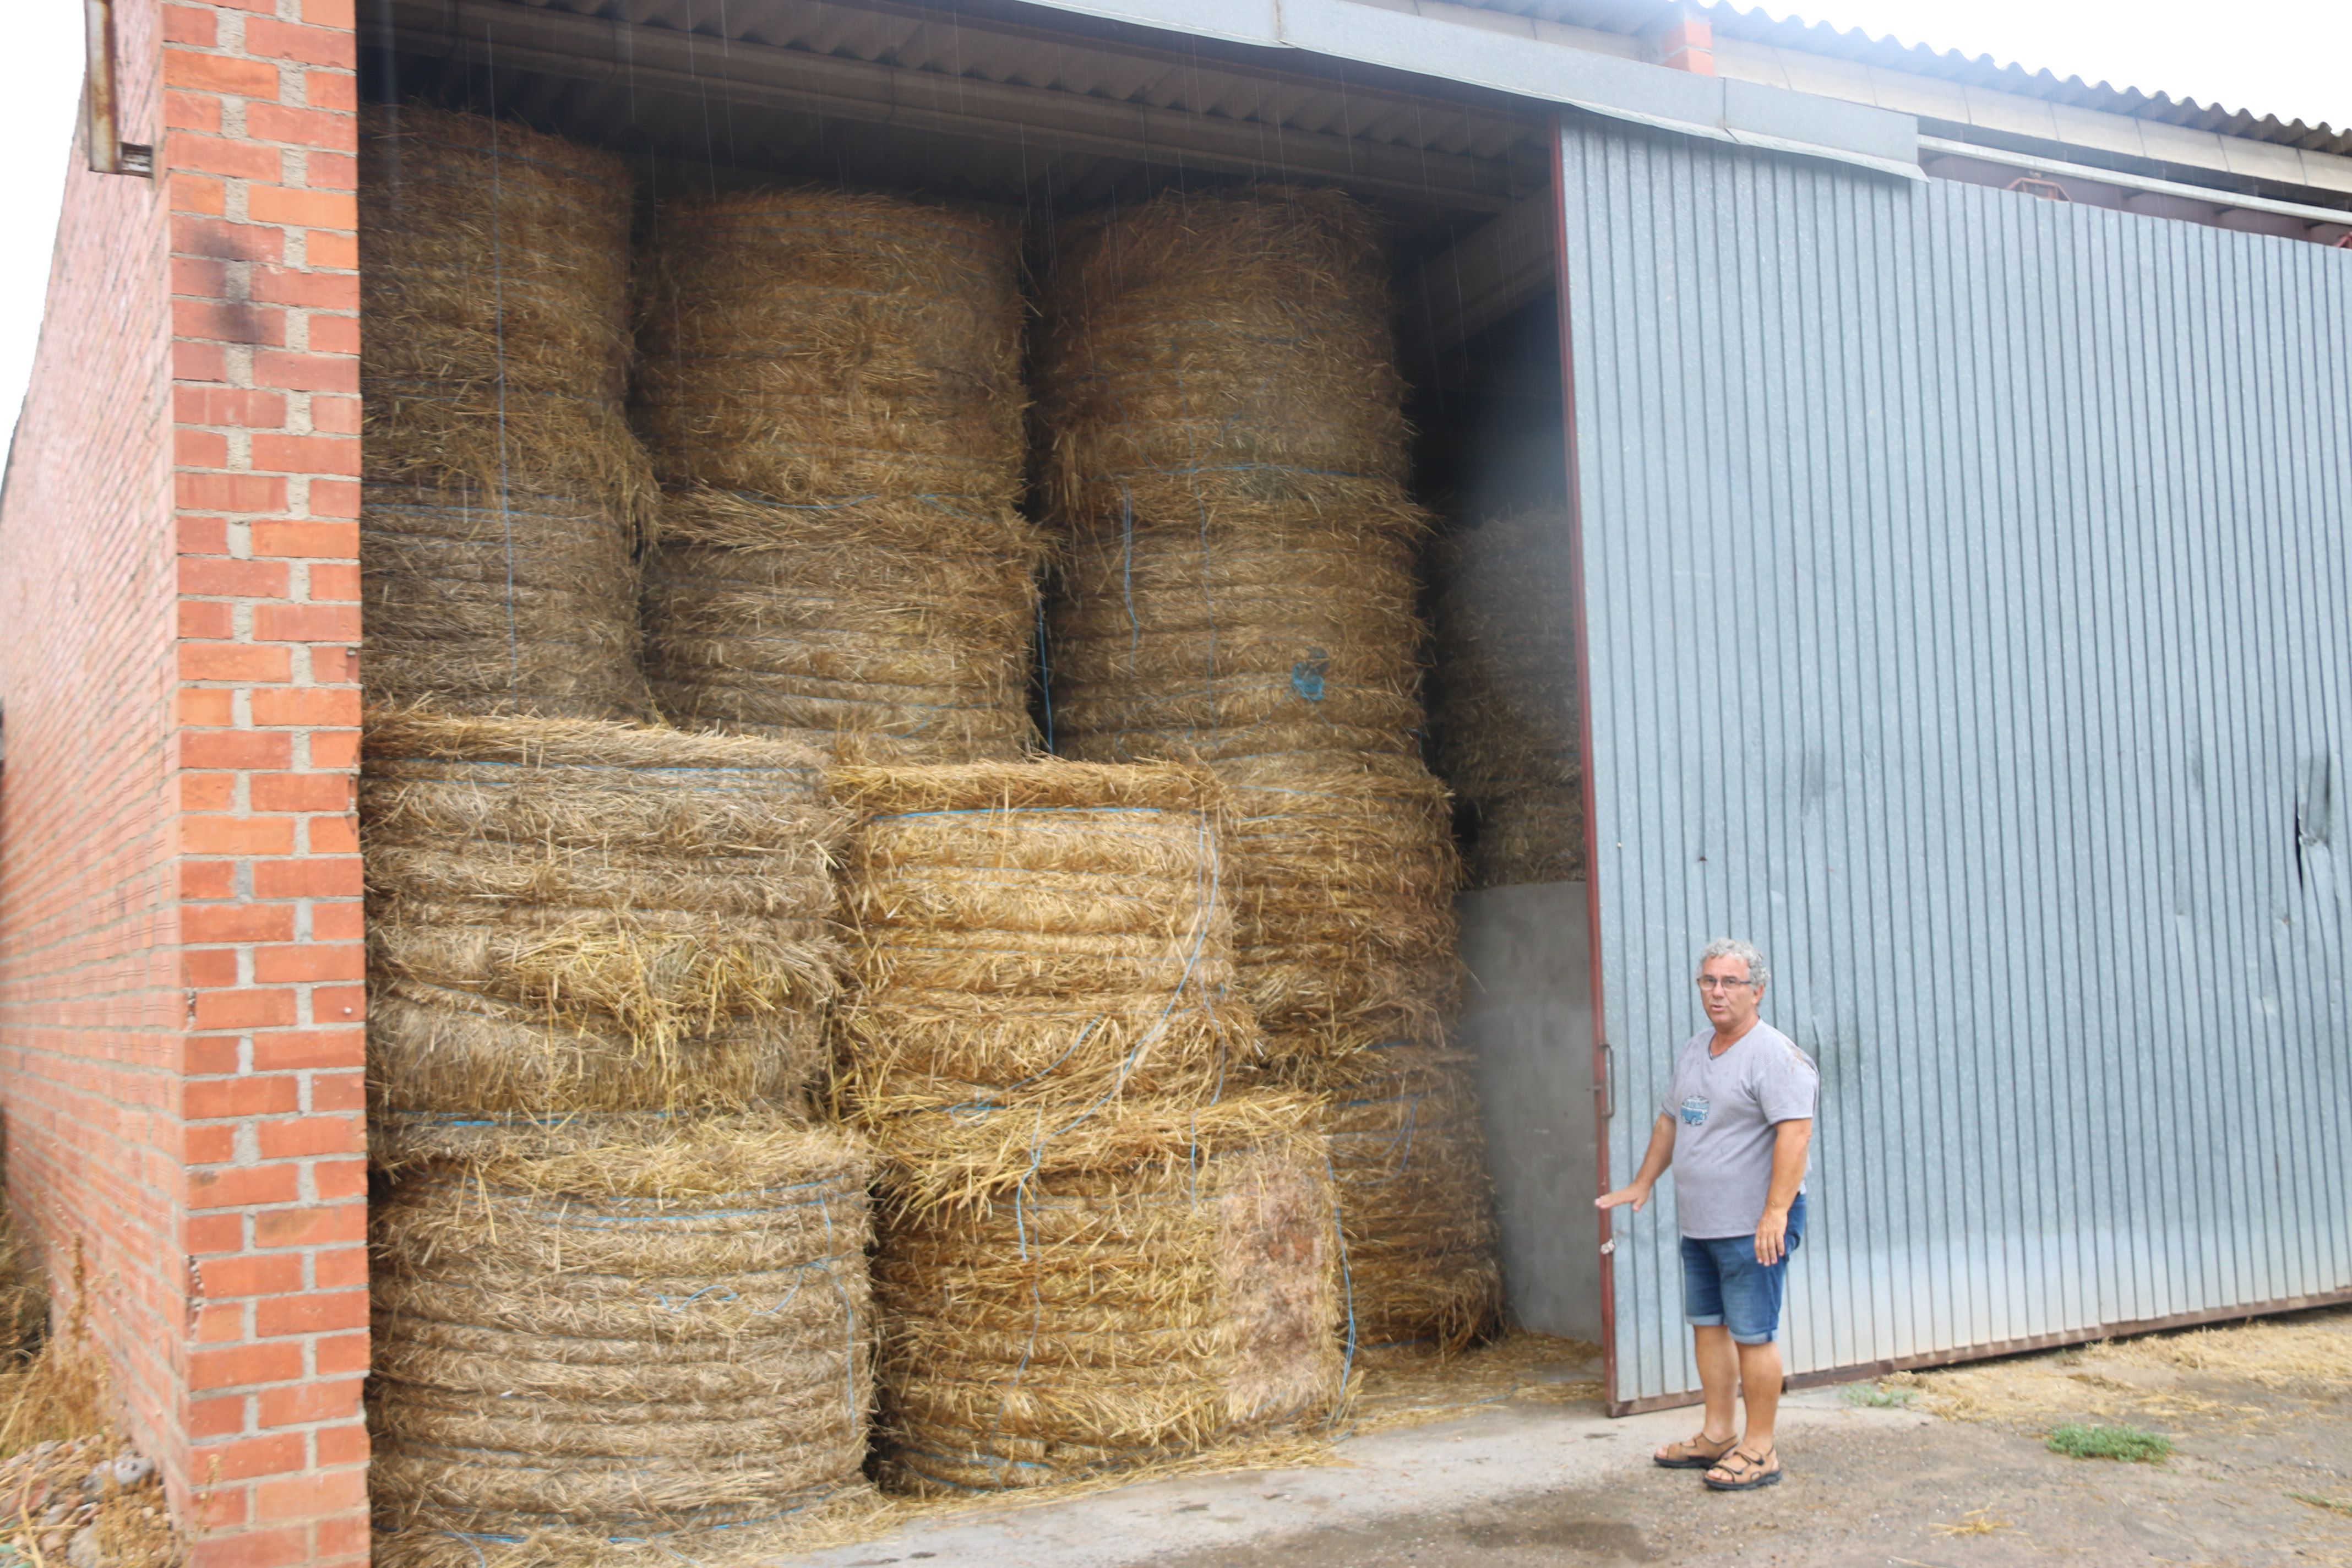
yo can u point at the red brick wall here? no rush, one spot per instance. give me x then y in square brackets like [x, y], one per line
[90, 1008]
[180, 953]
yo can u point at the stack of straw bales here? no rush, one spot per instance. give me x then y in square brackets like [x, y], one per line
[1094, 1252]
[615, 1326]
[502, 494]
[1225, 452]
[621, 1281]
[831, 390]
[1506, 727]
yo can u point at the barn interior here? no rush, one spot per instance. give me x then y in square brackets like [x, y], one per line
[1044, 117]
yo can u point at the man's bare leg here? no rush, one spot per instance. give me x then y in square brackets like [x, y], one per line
[1718, 1376]
[1759, 1388]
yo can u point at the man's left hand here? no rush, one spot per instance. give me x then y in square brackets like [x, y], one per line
[1771, 1239]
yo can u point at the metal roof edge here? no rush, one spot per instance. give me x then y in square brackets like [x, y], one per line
[1743, 114]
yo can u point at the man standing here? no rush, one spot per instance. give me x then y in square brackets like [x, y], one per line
[1738, 1127]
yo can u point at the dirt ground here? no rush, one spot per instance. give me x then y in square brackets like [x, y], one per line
[1937, 1471]
[1944, 1494]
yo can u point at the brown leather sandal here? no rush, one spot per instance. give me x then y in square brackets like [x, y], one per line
[1701, 1453]
[1744, 1471]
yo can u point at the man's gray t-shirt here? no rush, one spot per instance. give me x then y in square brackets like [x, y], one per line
[1725, 1109]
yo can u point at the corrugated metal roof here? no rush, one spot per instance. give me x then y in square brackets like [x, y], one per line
[1757, 25]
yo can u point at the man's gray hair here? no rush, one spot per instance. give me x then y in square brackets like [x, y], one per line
[1732, 947]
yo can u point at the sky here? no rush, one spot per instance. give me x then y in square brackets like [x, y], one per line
[2287, 58]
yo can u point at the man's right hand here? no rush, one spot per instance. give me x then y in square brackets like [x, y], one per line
[1637, 1195]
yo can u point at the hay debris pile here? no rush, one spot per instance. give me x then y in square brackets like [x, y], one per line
[1094, 1252]
[831, 390]
[502, 494]
[616, 1326]
[621, 1281]
[1505, 720]
[1224, 451]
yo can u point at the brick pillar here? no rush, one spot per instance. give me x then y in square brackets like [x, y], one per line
[1687, 43]
[259, 160]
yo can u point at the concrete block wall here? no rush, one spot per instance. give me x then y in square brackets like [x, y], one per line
[181, 1010]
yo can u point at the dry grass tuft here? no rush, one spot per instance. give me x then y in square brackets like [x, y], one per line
[504, 493]
[61, 1493]
[2175, 1376]
[831, 389]
[566, 915]
[616, 1326]
[1413, 1384]
[1505, 715]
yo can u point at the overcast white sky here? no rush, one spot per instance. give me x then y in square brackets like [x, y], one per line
[2288, 59]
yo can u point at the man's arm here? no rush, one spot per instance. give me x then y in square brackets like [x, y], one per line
[1653, 1165]
[1791, 1139]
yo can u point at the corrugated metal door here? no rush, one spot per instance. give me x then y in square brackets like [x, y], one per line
[1968, 581]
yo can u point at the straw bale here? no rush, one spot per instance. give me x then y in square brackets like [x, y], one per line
[483, 599]
[910, 628]
[834, 350]
[1101, 1315]
[505, 491]
[1416, 1204]
[831, 388]
[1044, 934]
[569, 915]
[1505, 724]
[1344, 873]
[1236, 343]
[618, 1324]
[1237, 629]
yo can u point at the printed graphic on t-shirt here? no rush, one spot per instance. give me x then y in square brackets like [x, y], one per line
[1694, 1110]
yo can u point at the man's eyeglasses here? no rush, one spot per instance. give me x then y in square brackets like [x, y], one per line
[1716, 983]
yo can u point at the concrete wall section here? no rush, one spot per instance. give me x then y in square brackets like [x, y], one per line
[1531, 1023]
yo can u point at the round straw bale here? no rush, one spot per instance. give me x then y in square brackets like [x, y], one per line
[1506, 724]
[838, 351]
[1417, 1205]
[567, 915]
[905, 626]
[444, 1049]
[1033, 933]
[618, 1324]
[1235, 343]
[1344, 873]
[1099, 1315]
[1528, 835]
[505, 489]
[484, 600]
[494, 306]
[1243, 630]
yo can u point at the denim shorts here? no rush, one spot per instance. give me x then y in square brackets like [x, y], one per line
[1723, 1285]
